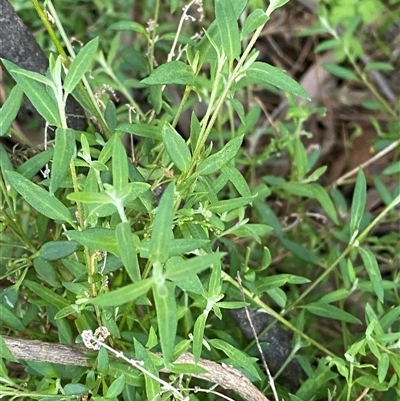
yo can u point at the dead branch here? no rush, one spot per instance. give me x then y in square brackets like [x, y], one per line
[227, 377]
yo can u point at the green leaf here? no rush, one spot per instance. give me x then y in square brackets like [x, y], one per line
[4, 351]
[277, 77]
[239, 357]
[36, 93]
[167, 318]
[192, 266]
[10, 108]
[33, 165]
[358, 204]
[80, 64]
[274, 4]
[64, 149]
[162, 227]
[378, 66]
[256, 19]
[278, 280]
[331, 312]
[153, 387]
[313, 190]
[126, 242]
[142, 130]
[10, 320]
[100, 239]
[219, 159]
[102, 362]
[198, 335]
[120, 164]
[75, 389]
[54, 250]
[228, 29]
[237, 179]
[129, 26]
[123, 295]
[340, 72]
[177, 247]
[173, 72]
[176, 147]
[38, 198]
[49, 296]
[371, 265]
[116, 388]
[229, 204]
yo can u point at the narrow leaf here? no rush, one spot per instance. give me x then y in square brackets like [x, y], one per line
[100, 239]
[123, 295]
[127, 250]
[142, 130]
[277, 77]
[274, 4]
[192, 266]
[332, 312]
[256, 19]
[55, 250]
[240, 358]
[47, 295]
[217, 160]
[167, 318]
[162, 227]
[80, 64]
[10, 108]
[176, 147]
[38, 198]
[340, 72]
[371, 265]
[198, 334]
[37, 94]
[174, 72]
[358, 203]
[120, 164]
[228, 29]
[9, 319]
[64, 149]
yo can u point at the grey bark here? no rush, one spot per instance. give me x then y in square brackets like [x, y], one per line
[19, 46]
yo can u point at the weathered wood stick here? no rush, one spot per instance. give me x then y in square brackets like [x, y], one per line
[225, 376]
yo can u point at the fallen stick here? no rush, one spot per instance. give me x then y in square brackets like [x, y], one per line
[225, 376]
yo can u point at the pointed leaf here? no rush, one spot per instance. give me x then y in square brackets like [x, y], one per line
[162, 227]
[80, 64]
[9, 319]
[192, 266]
[371, 265]
[38, 198]
[120, 164]
[358, 203]
[277, 77]
[123, 295]
[127, 250]
[10, 109]
[64, 149]
[174, 72]
[100, 239]
[176, 147]
[217, 160]
[331, 312]
[228, 29]
[47, 295]
[167, 318]
[37, 94]
[54, 250]
[240, 358]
